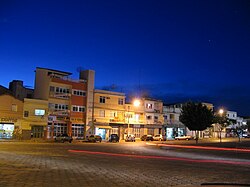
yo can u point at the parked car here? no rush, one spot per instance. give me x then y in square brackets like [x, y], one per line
[130, 138]
[94, 138]
[113, 138]
[63, 138]
[245, 135]
[158, 137]
[183, 137]
[147, 138]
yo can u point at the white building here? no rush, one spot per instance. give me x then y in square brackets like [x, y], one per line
[174, 127]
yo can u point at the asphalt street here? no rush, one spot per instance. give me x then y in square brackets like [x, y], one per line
[118, 164]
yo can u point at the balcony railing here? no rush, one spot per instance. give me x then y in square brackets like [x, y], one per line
[60, 112]
[60, 95]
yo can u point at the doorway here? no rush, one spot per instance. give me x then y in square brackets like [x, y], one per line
[37, 131]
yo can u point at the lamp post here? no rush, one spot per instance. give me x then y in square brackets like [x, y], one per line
[128, 116]
[221, 111]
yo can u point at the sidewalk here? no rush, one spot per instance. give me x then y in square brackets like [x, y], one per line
[225, 143]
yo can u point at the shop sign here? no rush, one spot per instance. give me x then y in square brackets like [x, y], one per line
[137, 126]
[76, 119]
[8, 119]
[61, 118]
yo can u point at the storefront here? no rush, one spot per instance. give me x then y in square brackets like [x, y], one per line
[55, 127]
[6, 130]
[174, 130]
[103, 131]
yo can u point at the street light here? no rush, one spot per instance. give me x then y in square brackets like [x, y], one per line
[221, 111]
[137, 102]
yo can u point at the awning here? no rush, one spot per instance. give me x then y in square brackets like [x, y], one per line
[103, 126]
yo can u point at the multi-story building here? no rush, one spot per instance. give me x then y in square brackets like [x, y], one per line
[150, 116]
[68, 100]
[236, 122]
[113, 116]
[11, 113]
[109, 112]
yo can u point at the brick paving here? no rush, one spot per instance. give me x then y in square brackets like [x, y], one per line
[48, 164]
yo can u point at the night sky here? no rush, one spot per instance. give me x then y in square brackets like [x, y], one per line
[171, 50]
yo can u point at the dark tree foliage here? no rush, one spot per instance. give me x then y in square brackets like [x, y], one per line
[196, 117]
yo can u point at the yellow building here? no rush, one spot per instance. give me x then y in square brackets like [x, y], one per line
[11, 110]
[113, 116]
[35, 118]
[109, 113]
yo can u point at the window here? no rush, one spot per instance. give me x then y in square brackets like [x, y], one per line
[112, 114]
[78, 108]
[39, 112]
[58, 106]
[102, 99]
[81, 109]
[60, 128]
[26, 114]
[74, 108]
[156, 118]
[102, 113]
[149, 117]
[137, 117]
[52, 88]
[60, 90]
[149, 106]
[120, 101]
[14, 108]
[78, 131]
[79, 92]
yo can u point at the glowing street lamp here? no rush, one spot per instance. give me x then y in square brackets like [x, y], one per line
[221, 111]
[137, 102]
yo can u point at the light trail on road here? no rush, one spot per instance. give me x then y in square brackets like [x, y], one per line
[201, 147]
[162, 157]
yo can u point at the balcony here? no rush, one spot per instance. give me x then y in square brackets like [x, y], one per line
[60, 95]
[60, 112]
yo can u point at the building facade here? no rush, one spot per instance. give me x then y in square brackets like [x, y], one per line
[113, 116]
[151, 111]
[109, 113]
[67, 101]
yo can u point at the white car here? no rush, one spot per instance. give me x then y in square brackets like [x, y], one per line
[183, 137]
[158, 137]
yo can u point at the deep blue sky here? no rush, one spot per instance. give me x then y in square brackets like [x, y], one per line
[173, 50]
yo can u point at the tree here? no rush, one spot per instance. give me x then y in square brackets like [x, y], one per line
[196, 117]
